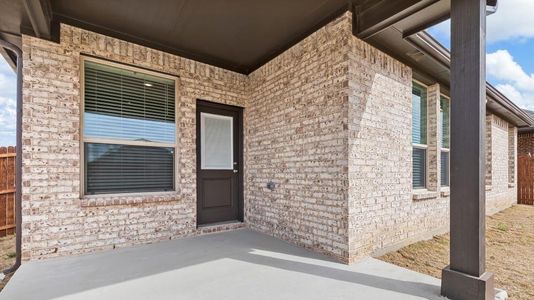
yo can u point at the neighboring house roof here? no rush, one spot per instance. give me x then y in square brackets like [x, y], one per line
[531, 128]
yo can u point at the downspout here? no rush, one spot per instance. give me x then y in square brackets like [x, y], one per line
[18, 162]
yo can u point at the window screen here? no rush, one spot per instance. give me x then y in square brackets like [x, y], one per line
[445, 139]
[129, 130]
[419, 135]
[444, 168]
[125, 105]
[445, 119]
[419, 168]
[114, 168]
[419, 115]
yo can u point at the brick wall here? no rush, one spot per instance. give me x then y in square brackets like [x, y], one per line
[489, 160]
[297, 137]
[499, 154]
[382, 211]
[55, 220]
[501, 160]
[525, 143]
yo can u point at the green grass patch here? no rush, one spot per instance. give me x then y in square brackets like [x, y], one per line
[502, 227]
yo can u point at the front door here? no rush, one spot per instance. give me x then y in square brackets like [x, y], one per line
[219, 163]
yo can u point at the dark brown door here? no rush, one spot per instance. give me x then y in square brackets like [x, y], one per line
[219, 163]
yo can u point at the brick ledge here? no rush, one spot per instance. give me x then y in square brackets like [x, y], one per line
[424, 195]
[445, 192]
[220, 227]
[128, 199]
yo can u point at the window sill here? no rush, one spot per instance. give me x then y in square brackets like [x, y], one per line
[445, 192]
[128, 199]
[423, 194]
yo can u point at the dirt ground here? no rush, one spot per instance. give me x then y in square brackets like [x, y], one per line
[7, 256]
[7, 252]
[509, 252]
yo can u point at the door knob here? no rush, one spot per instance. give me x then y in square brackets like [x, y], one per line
[235, 171]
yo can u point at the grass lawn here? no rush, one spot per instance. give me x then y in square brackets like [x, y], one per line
[509, 252]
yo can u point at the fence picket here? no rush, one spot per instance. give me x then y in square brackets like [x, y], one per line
[7, 190]
[525, 171]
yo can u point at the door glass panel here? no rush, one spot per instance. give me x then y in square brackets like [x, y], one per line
[216, 144]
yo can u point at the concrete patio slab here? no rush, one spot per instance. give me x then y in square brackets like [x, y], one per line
[240, 264]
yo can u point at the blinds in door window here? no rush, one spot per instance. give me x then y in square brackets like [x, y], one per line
[216, 142]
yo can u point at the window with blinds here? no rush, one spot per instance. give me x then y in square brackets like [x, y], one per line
[129, 130]
[444, 168]
[445, 139]
[419, 135]
[419, 168]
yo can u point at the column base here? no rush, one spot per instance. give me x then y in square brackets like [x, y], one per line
[459, 286]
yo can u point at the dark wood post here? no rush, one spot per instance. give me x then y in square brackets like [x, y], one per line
[466, 276]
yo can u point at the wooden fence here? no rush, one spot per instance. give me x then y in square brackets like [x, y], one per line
[525, 174]
[7, 190]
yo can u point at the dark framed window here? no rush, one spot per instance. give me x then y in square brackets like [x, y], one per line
[129, 129]
[419, 135]
[445, 139]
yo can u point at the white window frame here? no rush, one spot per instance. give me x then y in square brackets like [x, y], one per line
[83, 139]
[421, 146]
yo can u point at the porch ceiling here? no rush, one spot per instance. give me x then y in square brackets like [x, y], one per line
[239, 35]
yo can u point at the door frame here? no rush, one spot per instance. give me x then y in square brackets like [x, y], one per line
[240, 160]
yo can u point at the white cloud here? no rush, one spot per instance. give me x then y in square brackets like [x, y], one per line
[7, 104]
[513, 21]
[8, 80]
[515, 83]
[502, 66]
[8, 84]
[8, 116]
[510, 91]
[524, 100]
[4, 67]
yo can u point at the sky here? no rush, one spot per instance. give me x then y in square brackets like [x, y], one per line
[8, 91]
[510, 49]
[510, 61]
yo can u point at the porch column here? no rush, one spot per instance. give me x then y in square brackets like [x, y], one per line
[466, 276]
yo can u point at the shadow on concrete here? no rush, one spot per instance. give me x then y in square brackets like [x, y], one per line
[193, 261]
